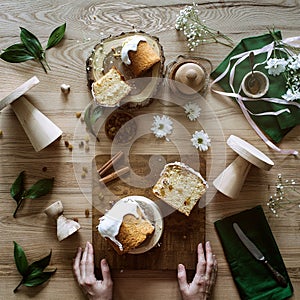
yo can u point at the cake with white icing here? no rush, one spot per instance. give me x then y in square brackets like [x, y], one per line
[180, 186]
[125, 226]
[138, 55]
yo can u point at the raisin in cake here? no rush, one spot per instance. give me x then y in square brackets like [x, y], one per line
[180, 186]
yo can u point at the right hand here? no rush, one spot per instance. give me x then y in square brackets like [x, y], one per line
[204, 279]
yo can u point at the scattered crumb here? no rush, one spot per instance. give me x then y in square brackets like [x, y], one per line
[65, 88]
[184, 237]
[66, 143]
[81, 144]
[100, 196]
[85, 169]
[87, 148]
[83, 174]
[75, 219]
[87, 213]
[87, 138]
[78, 114]
[70, 147]
[1, 133]
[44, 169]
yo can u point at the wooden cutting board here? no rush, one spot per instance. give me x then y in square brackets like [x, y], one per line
[181, 234]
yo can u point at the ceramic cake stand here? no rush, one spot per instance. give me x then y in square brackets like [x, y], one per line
[231, 180]
[39, 129]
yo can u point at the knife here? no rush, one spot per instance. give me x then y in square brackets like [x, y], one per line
[258, 255]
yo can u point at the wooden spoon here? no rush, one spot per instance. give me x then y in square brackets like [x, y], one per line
[253, 83]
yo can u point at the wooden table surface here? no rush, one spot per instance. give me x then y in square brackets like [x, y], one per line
[87, 22]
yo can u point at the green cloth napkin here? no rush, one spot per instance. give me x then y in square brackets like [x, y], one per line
[276, 127]
[253, 280]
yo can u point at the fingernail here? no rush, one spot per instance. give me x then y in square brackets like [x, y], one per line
[104, 262]
[180, 267]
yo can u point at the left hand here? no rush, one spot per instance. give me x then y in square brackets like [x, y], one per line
[84, 271]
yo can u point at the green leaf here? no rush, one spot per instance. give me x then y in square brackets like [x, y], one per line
[40, 188]
[19, 46]
[17, 187]
[16, 56]
[40, 264]
[56, 36]
[20, 259]
[31, 43]
[38, 278]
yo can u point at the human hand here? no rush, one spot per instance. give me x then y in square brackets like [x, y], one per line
[83, 268]
[204, 279]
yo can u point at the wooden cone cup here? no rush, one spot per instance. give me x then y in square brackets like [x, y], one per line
[40, 130]
[231, 180]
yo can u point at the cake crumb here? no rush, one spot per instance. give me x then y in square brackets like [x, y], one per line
[87, 213]
[75, 219]
[78, 114]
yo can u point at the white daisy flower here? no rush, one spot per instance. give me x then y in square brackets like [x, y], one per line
[192, 110]
[162, 126]
[201, 140]
[276, 66]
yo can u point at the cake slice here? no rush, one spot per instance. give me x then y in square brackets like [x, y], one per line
[110, 89]
[138, 55]
[180, 186]
[125, 226]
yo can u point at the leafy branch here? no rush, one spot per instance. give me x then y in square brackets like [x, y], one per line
[19, 193]
[33, 274]
[31, 48]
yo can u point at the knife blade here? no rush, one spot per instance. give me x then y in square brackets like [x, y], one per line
[252, 248]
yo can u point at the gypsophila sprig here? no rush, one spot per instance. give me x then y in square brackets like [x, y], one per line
[286, 61]
[201, 140]
[192, 110]
[284, 196]
[162, 126]
[196, 31]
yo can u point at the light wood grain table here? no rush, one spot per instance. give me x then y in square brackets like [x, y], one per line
[87, 22]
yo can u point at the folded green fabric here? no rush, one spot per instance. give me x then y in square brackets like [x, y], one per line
[253, 279]
[276, 127]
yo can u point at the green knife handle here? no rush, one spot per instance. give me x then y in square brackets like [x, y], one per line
[279, 278]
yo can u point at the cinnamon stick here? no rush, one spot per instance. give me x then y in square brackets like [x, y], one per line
[114, 175]
[110, 163]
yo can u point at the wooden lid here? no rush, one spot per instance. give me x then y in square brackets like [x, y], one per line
[250, 153]
[192, 75]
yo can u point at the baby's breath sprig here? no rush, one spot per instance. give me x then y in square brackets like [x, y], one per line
[281, 198]
[196, 31]
[286, 60]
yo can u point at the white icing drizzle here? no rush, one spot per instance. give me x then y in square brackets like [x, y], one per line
[110, 223]
[130, 44]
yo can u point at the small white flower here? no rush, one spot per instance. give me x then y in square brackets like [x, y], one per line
[162, 126]
[201, 140]
[294, 62]
[291, 95]
[276, 66]
[192, 110]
